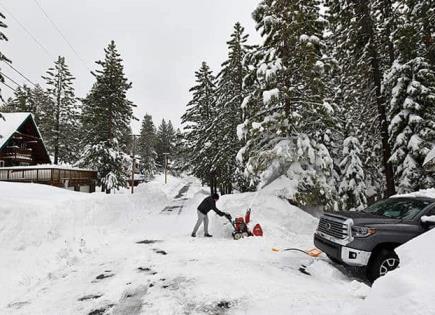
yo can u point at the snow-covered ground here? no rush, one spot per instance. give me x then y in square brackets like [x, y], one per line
[64, 252]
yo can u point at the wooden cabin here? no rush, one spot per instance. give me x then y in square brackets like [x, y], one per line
[24, 157]
[20, 141]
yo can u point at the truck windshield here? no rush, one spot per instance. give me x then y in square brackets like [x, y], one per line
[397, 208]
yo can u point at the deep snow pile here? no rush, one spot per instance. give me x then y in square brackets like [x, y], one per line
[409, 289]
[75, 253]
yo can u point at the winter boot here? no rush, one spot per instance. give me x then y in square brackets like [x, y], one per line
[208, 235]
[193, 235]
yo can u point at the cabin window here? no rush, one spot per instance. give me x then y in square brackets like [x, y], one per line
[2, 163]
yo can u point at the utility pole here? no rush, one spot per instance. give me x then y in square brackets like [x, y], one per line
[133, 162]
[166, 167]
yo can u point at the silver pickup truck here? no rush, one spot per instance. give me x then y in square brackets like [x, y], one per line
[369, 237]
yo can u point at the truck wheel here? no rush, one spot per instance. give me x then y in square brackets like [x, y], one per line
[382, 263]
[334, 260]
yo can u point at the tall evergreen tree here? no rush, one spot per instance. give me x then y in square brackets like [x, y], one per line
[196, 120]
[361, 31]
[230, 93]
[410, 85]
[352, 187]
[286, 134]
[62, 135]
[147, 147]
[165, 141]
[106, 116]
[180, 162]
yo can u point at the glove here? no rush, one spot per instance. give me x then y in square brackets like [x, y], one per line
[228, 216]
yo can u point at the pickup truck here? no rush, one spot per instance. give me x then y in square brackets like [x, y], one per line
[369, 237]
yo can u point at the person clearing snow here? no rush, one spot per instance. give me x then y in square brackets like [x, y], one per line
[204, 208]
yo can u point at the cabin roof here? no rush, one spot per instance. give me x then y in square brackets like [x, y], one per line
[10, 123]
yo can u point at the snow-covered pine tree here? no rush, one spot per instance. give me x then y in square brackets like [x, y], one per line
[285, 135]
[62, 135]
[230, 93]
[352, 187]
[2, 56]
[146, 147]
[42, 103]
[105, 117]
[361, 30]
[180, 162]
[412, 126]
[22, 101]
[196, 123]
[351, 97]
[411, 87]
[161, 147]
[165, 141]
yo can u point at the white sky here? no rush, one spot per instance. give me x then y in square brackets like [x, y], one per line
[162, 43]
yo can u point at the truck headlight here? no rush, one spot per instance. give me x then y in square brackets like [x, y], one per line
[362, 231]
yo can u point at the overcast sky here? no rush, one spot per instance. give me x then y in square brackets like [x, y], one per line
[162, 43]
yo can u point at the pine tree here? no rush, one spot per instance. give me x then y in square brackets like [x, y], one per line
[106, 116]
[42, 104]
[180, 162]
[361, 32]
[286, 134]
[411, 87]
[412, 127]
[62, 121]
[146, 147]
[196, 120]
[22, 101]
[352, 188]
[230, 93]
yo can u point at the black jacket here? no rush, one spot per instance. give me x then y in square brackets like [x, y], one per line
[209, 204]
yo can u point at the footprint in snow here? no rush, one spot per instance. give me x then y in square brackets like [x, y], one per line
[131, 301]
[90, 297]
[102, 310]
[102, 276]
[159, 251]
[148, 242]
[147, 270]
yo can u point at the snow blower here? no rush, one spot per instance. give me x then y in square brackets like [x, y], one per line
[241, 229]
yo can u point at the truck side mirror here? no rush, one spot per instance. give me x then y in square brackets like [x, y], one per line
[429, 220]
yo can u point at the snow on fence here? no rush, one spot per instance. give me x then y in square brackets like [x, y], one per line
[52, 176]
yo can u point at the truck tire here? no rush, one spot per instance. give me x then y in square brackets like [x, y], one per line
[383, 262]
[334, 260]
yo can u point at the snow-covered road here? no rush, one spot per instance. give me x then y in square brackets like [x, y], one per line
[70, 253]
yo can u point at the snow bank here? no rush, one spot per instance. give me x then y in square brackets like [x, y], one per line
[59, 243]
[409, 289]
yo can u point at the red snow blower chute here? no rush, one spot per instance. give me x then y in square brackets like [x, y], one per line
[241, 229]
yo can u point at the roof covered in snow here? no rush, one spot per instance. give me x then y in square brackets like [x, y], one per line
[9, 124]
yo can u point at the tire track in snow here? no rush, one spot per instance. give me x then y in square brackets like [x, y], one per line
[178, 202]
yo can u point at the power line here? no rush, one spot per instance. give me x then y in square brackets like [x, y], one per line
[61, 34]
[5, 84]
[22, 75]
[28, 32]
[10, 79]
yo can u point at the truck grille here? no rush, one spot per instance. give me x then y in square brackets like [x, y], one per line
[333, 227]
